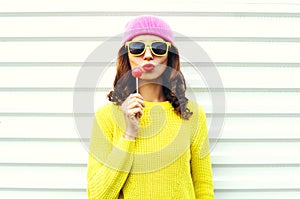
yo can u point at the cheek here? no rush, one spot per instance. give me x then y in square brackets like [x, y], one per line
[134, 61]
[162, 67]
[162, 61]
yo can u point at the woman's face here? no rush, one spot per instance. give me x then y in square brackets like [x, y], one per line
[152, 66]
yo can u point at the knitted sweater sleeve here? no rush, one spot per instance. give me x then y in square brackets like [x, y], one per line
[108, 164]
[200, 161]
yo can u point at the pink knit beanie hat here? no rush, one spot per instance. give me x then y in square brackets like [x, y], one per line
[148, 24]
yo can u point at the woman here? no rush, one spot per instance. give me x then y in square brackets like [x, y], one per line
[154, 143]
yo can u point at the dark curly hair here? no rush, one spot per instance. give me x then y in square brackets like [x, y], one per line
[173, 84]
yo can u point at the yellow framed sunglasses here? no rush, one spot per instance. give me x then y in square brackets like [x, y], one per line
[158, 48]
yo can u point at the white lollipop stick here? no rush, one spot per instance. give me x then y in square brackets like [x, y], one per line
[137, 72]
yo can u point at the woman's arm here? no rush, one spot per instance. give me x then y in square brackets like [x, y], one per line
[200, 161]
[109, 164]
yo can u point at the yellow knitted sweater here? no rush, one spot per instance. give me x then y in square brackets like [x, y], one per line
[169, 158]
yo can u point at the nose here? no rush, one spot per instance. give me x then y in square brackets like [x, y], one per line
[148, 54]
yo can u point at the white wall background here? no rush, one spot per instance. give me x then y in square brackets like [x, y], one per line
[254, 44]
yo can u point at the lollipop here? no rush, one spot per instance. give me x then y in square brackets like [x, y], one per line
[137, 72]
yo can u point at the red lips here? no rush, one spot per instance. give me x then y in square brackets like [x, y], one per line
[148, 67]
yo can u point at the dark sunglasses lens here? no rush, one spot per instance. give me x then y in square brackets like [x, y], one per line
[159, 48]
[136, 47]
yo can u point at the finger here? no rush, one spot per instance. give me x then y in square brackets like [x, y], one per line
[133, 101]
[141, 102]
[136, 99]
[133, 112]
[136, 95]
[135, 104]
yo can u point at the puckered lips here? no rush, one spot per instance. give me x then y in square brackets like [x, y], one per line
[148, 67]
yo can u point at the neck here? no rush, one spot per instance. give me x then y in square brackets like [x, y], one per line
[151, 92]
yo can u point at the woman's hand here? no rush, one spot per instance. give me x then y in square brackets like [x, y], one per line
[132, 109]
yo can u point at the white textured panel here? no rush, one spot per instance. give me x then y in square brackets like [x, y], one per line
[190, 26]
[55, 77]
[257, 177]
[263, 102]
[245, 51]
[38, 127]
[235, 102]
[261, 128]
[231, 77]
[217, 51]
[43, 152]
[46, 51]
[256, 153]
[134, 5]
[234, 128]
[257, 193]
[251, 102]
[244, 77]
[36, 194]
[42, 177]
[52, 102]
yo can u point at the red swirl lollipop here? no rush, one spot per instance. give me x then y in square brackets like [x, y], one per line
[137, 72]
